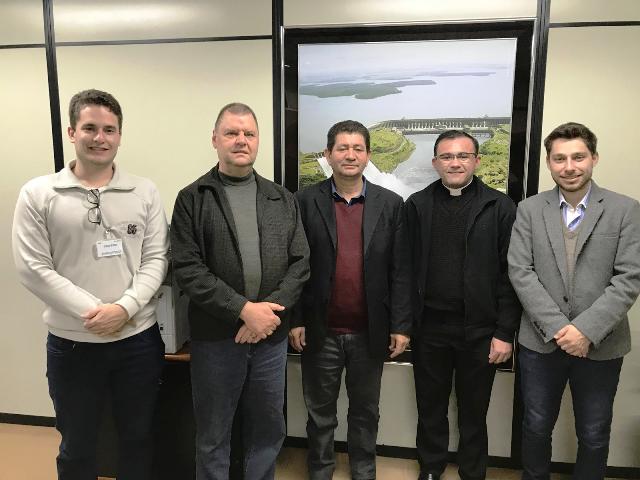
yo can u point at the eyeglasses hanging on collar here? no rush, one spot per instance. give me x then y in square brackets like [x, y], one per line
[94, 214]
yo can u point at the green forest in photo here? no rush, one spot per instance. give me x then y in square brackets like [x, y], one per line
[494, 163]
[309, 170]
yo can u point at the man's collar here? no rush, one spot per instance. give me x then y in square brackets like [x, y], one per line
[583, 202]
[363, 193]
[211, 179]
[229, 180]
[65, 178]
[456, 192]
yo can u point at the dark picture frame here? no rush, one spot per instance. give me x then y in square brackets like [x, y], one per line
[521, 31]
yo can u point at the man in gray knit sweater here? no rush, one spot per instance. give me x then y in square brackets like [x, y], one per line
[241, 256]
[90, 241]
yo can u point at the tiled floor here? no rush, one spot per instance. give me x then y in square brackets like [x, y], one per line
[28, 453]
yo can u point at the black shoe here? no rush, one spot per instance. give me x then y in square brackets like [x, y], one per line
[429, 476]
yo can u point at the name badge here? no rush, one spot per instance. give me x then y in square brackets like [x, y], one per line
[109, 248]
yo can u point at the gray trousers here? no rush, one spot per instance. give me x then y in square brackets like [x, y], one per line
[321, 378]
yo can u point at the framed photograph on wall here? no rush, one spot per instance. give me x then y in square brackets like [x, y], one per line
[407, 84]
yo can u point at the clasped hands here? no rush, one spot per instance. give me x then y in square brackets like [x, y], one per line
[572, 341]
[260, 321]
[105, 319]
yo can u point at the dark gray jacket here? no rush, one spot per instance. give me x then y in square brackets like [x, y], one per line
[387, 273]
[206, 256]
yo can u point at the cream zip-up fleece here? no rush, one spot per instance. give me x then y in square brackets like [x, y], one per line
[55, 250]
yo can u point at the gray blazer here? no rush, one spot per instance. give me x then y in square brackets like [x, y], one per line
[606, 277]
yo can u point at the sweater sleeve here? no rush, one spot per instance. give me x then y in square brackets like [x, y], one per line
[153, 259]
[34, 264]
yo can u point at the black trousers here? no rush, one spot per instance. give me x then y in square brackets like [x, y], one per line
[79, 374]
[437, 357]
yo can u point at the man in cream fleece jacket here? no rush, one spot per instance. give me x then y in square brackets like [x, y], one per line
[90, 241]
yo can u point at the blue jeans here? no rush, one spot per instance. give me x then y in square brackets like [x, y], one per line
[225, 375]
[593, 387]
[80, 374]
[321, 378]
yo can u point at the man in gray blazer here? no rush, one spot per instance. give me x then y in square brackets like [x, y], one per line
[574, 261]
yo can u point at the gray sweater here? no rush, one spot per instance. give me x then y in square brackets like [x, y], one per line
[241, 193]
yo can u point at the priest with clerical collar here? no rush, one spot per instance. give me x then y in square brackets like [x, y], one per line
[465, 310]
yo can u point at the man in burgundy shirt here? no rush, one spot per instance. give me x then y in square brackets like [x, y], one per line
[355, 310]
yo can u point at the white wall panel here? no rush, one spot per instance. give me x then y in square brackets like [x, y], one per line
[26, 151]
[338, 12]
[146, 19]
[170, 96]
[21, 22]
[563, 11]
[398, 414]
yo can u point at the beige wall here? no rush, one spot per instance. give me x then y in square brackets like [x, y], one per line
[563, 11]
[591, 78]
[21, 22]
[26, 151]
[170, 96]
[144, 19]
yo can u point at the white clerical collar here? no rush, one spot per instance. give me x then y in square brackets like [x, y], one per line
[456, 192]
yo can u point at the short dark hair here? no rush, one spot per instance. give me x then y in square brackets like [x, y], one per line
[235, 108]
[569, 131]
[348, 126]
[452, 134]
[93, 97]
